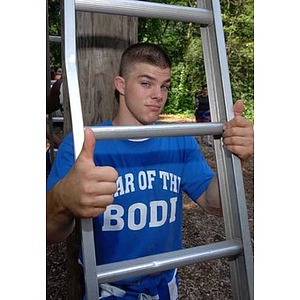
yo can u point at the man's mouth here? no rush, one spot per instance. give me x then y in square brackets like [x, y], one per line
[153, 107]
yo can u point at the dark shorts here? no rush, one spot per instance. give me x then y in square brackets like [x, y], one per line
[202, 116]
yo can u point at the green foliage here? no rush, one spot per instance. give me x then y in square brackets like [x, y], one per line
[238, 21]
[54, 21]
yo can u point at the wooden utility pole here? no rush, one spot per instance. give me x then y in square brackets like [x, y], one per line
[101, 39]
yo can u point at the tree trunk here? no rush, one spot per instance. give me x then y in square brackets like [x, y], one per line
[101, 39]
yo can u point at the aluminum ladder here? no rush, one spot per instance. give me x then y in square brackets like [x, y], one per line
[237, 245]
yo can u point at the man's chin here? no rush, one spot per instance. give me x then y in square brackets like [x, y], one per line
[150, 121]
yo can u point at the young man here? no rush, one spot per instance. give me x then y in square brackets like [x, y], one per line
[132, 188]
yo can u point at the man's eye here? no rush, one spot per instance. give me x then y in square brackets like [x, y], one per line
[165, 87]
[147, 84]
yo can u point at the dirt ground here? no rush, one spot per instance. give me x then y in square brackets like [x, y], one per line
[208, 280]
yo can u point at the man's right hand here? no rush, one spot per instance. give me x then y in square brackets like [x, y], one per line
[87, 190]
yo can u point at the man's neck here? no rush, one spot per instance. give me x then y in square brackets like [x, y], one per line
[125, 120]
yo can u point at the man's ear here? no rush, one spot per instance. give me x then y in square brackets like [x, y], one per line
[120, 84]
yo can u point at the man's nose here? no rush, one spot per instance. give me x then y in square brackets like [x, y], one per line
[157, 93]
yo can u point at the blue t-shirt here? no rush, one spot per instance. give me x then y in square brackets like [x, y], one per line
[146, 215]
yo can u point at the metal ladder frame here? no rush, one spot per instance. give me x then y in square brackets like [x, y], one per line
[238, 243]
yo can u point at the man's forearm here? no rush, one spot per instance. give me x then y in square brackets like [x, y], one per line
[60, 222]
[210, 200]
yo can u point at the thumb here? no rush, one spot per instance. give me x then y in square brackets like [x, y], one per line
[87, 151]
[238, 108]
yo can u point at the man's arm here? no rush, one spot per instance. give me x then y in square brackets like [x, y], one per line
[239, 139]
[210, 200]
[84, 192]
[60, 221]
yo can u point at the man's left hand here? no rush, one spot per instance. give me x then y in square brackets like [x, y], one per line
[239, 134]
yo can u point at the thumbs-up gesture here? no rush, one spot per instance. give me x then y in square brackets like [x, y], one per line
[238, 134]
[87, 189]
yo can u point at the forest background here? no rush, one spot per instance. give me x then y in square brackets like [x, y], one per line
[183, 44]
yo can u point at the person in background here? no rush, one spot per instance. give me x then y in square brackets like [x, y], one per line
[57, 73]
[54, 106]
[202, 111]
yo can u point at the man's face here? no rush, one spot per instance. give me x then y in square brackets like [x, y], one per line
[145, 93]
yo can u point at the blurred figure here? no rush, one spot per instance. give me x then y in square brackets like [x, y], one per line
[202, 112]
[57, 73]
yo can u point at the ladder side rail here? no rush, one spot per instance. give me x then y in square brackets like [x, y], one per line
[229, 167]
[165, 261]
[235, 164]
[217, 109]
[167, 130]
[88, 252]
[147, 10]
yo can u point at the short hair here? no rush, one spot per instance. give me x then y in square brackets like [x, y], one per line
[58, 70]
[144, 53]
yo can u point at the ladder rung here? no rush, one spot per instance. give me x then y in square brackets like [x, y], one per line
[147, 10]
[57, 119]
[156, 263]
[167, 130]
[55, 38]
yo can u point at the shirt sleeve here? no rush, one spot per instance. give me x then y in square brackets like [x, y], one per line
[63, 162]
[196, 174]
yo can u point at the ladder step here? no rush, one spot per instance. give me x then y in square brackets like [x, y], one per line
[147, 10]
[57, 119]
[55, 38]
[166, 261]
[167, 130]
